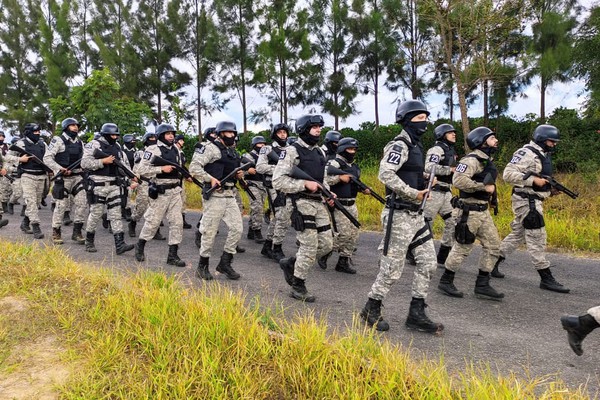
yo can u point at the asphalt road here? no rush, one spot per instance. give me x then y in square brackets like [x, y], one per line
[521, 334]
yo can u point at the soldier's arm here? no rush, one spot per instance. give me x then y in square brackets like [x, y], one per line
[262, 164]
[332, 179]
[462, 179]
[144, 167]
[202, 157]
[521, 162]
[395, 154]
[56, 146]
[88, 161]
[434, 156]
[281, 179]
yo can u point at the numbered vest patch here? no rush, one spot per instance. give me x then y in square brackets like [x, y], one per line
[89, 145]
[394, 158]
[461, 168]
[147, 155]
[515, 160]
[434, 158]
[263, 150]
[282, 154]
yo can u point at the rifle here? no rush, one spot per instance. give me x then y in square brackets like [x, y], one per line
[388, 227]
[553, 183]
[331, 170]
[244, 183]
[69, 168]
[99, 154]
[297, 173]
[227, 178]
[21, 151]
[160, 162]
[429, 186]
[489, 180]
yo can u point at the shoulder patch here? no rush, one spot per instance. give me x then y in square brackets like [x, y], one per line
[200, 150]
[147, 155]
[88, 145]
[397, 147]
[515, 159]
[461, 168]
[521, 152]
[282, 154]
[263, 150]
[394, 157]
[434, 158]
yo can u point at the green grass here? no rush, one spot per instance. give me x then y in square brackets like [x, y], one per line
[147, 337]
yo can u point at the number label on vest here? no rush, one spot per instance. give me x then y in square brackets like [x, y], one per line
[263, 150]
[434, 158]
[89, 145]
[461, 168]
[282, 154]
[147, 155]
[394, 158]
[515, 159]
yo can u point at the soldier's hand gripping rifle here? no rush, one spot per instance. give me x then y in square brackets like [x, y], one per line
[158, 161]
[489, 180]
[297, 173]
[99, 154]
[244, 183]
[553, 183]
[230, 176]
[429, 186]
[331, 170]
[22, 152]
[71, 167]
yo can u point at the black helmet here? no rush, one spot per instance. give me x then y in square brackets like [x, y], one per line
[208, 132]
[14, 139]
[347, 143]
[408, 109]
[129, 138]
[441, 130]
[226, 126]
[31, 127]
[291, 140]
[277, 127]
[147, 136]
[478, 136]
[68, 121]
[164, 128]
[546, 132]
[109, 129]
[179, 137]
[332, 137]
[257, 140]
[2, 134]
[305, 122]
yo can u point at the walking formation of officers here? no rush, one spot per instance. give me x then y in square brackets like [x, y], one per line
[295, 183]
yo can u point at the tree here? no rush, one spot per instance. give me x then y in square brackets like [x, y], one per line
[586, 61]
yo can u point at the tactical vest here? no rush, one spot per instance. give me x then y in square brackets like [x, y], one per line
[73, 152]
[449, 160]
[488, 168]
[130, 153]
[108, 169]
[411, 172]
[346, 190]
[312, 162]
[37, 149]
[546, 168]
[277, 151]
[229, 161]
[169, 153]
[256, 177]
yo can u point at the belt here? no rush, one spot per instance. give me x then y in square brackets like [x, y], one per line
[314, 197]
[347, 203]
[403, 206]
[168, 186]
[474, 207]
[440, 188]
[107, 183]
[527, 195]
[33, 172]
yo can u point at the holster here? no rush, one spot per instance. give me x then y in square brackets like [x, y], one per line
[533, 219]
[58, 190]
[462, 234]
[154, 191]
[296, 217]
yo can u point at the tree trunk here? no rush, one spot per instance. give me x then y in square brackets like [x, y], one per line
[462, 100]
[543, 100]
[486, 105]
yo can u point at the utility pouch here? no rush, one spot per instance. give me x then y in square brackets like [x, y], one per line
[58, 190]
[153, 191]
[462, 234]
[297, 218]
[279, 200]
[533, 219]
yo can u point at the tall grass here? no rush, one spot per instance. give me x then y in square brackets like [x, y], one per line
[147, 337]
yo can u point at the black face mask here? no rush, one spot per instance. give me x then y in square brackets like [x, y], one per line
[163, 139]
[348, 156]
[310, 139]
[281, 142]
[33, 137]
[228, 141]
[1, 142]
[71, 134]
[109, 139]
[489, 150]
[129, 145]
[417, 128]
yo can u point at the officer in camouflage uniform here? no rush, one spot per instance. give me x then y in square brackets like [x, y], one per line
[280, 222]
[63, 151]
[578, 327]
[33, 178]
[330, 144]
[179, 143]
[130, 150]
[345, 236]
[312, 222]
[165, 194]
[527, 197]
[401, 171]
[104, 186]
[442, 155]
[475, 178]
[211, 164]
[255, 181]
[16, 191]
[5, 184]
[209, 135]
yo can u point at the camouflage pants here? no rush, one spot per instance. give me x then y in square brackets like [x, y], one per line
[346, 237]
[5, 189]
[407, 227]
[439, 203]
[78, 202]
[535, 239]
[109, 196]
[221, 206]
[141, 202]
[314, 243]
[168, 204]
[33, 188]
[481, 225]
[17, 191]
[595, 312]
[238, 200]
[279, 224]
[257, 207]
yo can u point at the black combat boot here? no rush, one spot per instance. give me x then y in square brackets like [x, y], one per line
[173, 257]
[549, 283]
[25, 225]
[10, 208]
[23, 210]
[371, 313]
[128, 213]
[3, 222]
[56, 236]
[120, 244]
[67, 218]
[442, 254]
[4, 207]
[343, 265]
[240, 249]
[89, 242]
[446, 284]
[131, 228]
[185, 224]
[250, 234]
[77, 235]
[287, 266]
[139, 250]
[224, 266]
[267, 249]
[299, 291]
[258, 237]
[277, 253]
[496, 272]
[483, 290]
[578, 328]
[322, 261]
[159, 236]
[418, 320]
[202, 271]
